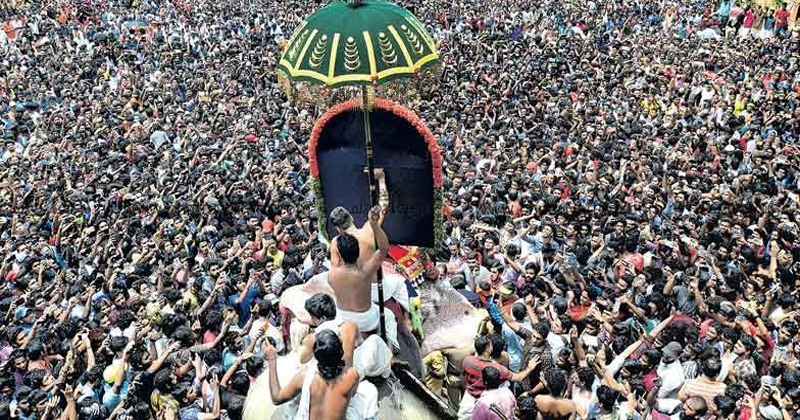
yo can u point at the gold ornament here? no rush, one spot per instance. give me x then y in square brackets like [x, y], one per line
[296, 44]
[388, 55]
[416, 45]
[319, 52]
[352, 60]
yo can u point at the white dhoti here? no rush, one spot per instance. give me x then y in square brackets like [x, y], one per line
[394, 287]
[370, 320]
[362, 406]
[258, 404]
[467, 406]
[371, 357]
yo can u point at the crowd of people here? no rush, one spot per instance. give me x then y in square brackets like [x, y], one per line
[621, 209]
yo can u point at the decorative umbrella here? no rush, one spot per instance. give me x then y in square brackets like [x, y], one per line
[359, 48]
[372, 43]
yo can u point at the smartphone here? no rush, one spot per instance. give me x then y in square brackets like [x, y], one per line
[639, 327]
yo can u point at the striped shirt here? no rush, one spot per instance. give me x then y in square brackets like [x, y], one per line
[704, 388]
[473, 374]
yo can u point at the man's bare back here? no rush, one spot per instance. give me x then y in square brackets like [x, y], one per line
[352, 280]
[365, 235]
[353, 287]
[329, 399]
[366, 245]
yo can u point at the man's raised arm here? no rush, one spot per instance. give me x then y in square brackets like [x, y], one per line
[376, 215]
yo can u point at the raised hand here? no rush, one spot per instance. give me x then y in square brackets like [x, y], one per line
[376, 215]
[269, 350]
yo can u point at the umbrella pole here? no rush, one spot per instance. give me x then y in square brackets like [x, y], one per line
[372, 196]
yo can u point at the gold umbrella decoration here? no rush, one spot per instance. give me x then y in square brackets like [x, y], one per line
[349, 49]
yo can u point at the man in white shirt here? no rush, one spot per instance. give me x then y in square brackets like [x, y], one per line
[262, 322]
[672, 377]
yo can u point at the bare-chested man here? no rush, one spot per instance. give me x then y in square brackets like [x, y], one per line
[343, 221]
[372, 357]
[353, 270]
[326, 392]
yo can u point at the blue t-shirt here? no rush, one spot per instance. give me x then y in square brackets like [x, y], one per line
[243, 309]
[228, 357]
[514, 348]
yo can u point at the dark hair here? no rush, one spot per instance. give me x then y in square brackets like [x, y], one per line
[236, 407]
[172, 295]
[183, 334]
[491, 377]
[790, 379]
[633, 367]
[7, 381]
[137, 358]
[240, 383]
[527, 408]
[35, 378]
[790, 326]
[542, 328]
[264, 308]
[482, 343]
[725, 405]
[212, 320]
[11, 334]
[703, 409]
[751, 381]
[162, 380]
[653, 357]
[458, 282]
[348, 248]
[586, 377]
[711, 367]
[321, 306]
[748, 342]
[607, 397]
[140, 410]
[498, 345]
[329, 354]
[35, 350]
[181, 390]
[556, 381]
[212, 357]
[794, 395]
[94, 374]
[735, 391]
[255, 365]
[124, 319]
[519, 311]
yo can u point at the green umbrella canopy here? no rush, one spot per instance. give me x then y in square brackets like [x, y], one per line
[357, 43]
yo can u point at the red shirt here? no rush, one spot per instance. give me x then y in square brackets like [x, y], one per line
[649, 378]
[515, 209]
[578, 313]
[209, 337]
[781, 17]
[473, 374]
